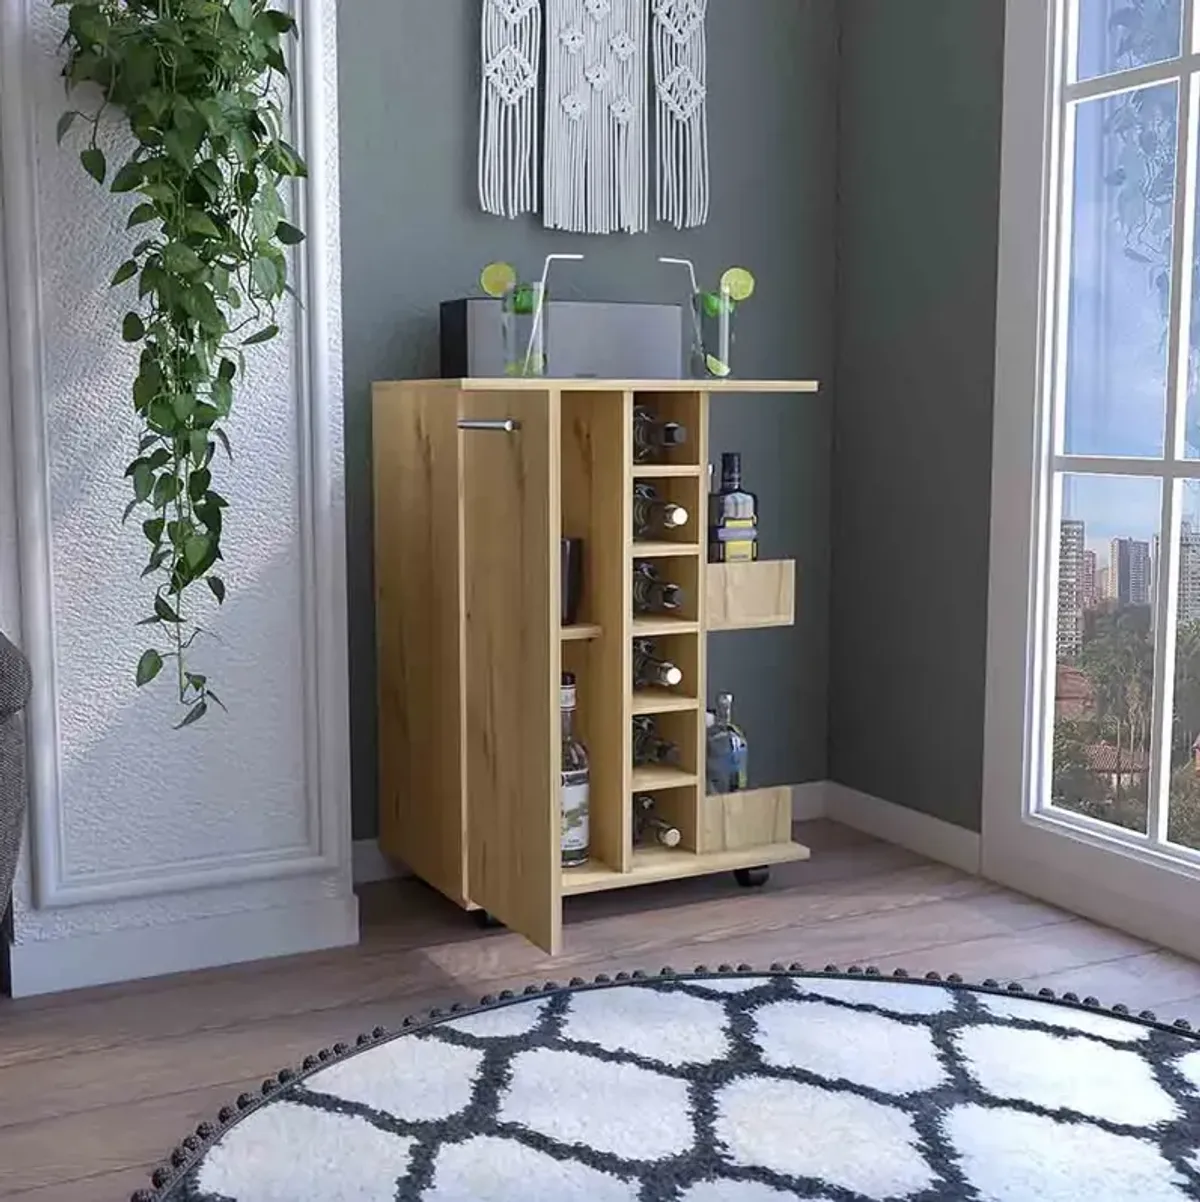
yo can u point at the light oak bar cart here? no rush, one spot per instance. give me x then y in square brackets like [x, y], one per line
[476, 481]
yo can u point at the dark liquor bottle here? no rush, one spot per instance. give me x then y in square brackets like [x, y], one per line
[653, 515]
[575, 783]
[732, 516]
[650, 748]
[652, 595]
[727, 750]
[648, 827]
[652, 438]
[649, 671]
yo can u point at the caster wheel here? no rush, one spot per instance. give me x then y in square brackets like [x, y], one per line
[486, 921]
[752, 878]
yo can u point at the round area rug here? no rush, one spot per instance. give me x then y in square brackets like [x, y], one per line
[732, 1086]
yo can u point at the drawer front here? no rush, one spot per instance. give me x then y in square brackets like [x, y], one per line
[749, 596]
[752, 819]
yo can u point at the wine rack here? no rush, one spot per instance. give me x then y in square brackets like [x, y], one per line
[476, 482]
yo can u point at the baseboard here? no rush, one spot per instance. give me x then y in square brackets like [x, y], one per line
[56, 965]
[370, 864]
[927, 836]
[810, 800]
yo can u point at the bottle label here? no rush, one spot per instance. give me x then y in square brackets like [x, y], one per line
[567, 697]
[574, 818]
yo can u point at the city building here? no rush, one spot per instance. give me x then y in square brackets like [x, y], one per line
[1129, 571]
[1069, 640]
[1088, 595]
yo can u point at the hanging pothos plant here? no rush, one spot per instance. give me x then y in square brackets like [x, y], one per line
[199, 83]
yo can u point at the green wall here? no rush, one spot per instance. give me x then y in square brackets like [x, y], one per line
[918, 196]
[413, 235]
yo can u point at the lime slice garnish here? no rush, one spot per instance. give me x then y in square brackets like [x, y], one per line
[739, 283]
[712, 303]
[524, 300]
[716, 367]
[497, 279]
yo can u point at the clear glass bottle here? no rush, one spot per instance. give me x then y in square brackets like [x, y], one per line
[652, 437]
[653, 515]
[652, 595]
[650, 748]
[727, 750]
[732, 516]
[649, 671]
[575, 783]
[648, 827]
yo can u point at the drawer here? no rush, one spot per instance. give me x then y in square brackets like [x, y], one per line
[754, 818]
[749, 596]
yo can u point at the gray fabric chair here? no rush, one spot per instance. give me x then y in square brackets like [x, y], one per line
[15, 683]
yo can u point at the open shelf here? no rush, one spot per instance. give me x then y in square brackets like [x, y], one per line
[581, 632]
[645, 549]
[651, 864]
[658, 625]
[665, 471]
[662, 701]
[656, 776]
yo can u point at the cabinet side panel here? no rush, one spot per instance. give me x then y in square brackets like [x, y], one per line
[597, 449]
[418, 575]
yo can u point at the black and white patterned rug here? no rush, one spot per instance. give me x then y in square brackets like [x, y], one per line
[724, 1087]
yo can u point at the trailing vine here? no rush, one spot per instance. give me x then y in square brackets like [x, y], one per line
[199, 83]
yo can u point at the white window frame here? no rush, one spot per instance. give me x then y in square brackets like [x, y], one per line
[1119, 877]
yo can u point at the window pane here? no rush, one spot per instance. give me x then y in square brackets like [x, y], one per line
[1120, 273]
[1183, 815]
[1104, 674]
[1115, 35]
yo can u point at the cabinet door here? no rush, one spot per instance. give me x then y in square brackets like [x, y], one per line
[511, 521]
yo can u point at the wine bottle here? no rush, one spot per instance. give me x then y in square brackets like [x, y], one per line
[732, 516]
[649, 827]
[650, 671]
[650, 748]
[727, 750]
[654, 515]
[576, 779]
[652, 595]
[652, 438]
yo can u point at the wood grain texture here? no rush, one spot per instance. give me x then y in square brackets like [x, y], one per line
[737, 820]
[98, 1085]
[511, 529]
[597, 454]
[648, 387]
[418, 604]
[751, 596]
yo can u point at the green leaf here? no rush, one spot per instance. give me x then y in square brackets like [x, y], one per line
[64, 123]
[200, 222]
[128, 510]
[153, 530]
[143, 482]
[263, 335]
[163, 608]
[149, 666]
[282, 22]
[195, 549]
[180, 258]
[288, 234]
[160, 458]
[128, 178]
[213, 697]
[198, 444]
[223, 439]
[242, 12]
[200, 708]
[132, 328]
[94, 163]
[217, 585]
[227, 370]
[166, 489]
[199, 482]
[266, 276]
[126, 271]
[222, 395]
[156, 562]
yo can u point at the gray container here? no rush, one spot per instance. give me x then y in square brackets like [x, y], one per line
[585, 340]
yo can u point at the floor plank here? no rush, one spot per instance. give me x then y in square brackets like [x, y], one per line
[98, 1085]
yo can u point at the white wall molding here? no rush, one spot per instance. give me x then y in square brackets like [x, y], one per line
[132, 953]
[296, 838]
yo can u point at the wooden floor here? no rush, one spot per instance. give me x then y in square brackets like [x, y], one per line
[95, 1086]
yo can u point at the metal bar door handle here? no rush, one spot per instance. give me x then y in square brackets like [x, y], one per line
[500, 425]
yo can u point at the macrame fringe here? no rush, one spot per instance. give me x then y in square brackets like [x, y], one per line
[508, 126]
[681, 88]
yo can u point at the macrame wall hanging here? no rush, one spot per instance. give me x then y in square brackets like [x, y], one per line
[595, 164]
[508, 118]
[681, 87]
[595, 160]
